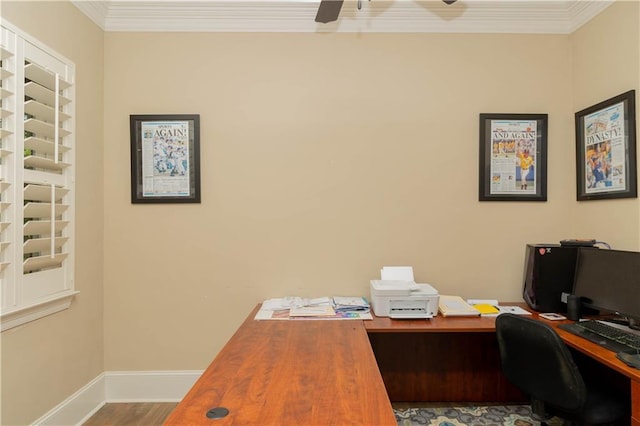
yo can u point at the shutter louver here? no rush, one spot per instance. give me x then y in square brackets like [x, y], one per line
[5, 91]
[7, 131]
[43, 227]
[44, 122]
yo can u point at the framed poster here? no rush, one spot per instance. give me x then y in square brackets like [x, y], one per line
[606, 149]
[165, 158]
[513, 157]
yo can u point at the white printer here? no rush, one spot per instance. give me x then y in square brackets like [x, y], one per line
[402, 298]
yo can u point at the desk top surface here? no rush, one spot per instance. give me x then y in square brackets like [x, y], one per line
[597, 352]
[291, 372]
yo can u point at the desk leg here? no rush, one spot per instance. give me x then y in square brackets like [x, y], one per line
[635, 403]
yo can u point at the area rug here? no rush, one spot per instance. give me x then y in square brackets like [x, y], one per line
[507, 415]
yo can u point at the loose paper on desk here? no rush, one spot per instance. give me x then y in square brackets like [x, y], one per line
[282, 303]
[285, 308]
[485, 305]
[313, 311]
[513, 310]
[455, 306]
[350, 304]
[486, 309]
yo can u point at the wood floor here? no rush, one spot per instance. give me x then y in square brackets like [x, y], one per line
[154, 414]
[132, 414]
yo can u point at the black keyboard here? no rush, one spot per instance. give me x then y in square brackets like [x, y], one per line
[607, 336]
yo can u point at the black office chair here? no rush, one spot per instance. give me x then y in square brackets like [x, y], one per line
[535, 360]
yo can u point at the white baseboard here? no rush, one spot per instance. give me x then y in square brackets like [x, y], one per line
[78, 407]
[120, 386]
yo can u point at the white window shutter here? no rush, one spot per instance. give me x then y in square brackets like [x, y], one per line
[37, 177]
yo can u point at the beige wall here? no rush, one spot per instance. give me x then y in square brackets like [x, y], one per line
[606, 63]
[324, 157]
[45, 361]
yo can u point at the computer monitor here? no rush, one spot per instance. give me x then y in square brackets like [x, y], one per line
[609, 281]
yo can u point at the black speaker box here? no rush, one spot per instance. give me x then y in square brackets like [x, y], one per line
[548, 272]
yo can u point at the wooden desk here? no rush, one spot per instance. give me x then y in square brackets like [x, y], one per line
[291, 372]
[457, 359]
[324, 372]
[441, 359]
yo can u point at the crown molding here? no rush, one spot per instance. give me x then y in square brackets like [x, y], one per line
[583, 12]
[383, 16]
[97, 11]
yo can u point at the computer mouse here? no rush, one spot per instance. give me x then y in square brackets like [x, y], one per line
[631, 359]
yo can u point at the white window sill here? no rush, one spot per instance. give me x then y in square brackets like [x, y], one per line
[25, 314]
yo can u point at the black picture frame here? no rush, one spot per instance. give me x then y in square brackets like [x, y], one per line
[509, 144]
[165, 158]
[606, 149]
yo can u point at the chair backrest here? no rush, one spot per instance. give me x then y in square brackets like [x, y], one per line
[535, 359]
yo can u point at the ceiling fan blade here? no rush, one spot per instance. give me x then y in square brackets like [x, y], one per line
[329, 10]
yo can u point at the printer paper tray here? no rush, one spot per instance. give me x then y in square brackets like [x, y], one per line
[410, 316]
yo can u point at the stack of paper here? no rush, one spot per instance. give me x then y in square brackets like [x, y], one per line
[282, 303]
[490, 308]
[321, 308]
[455, 306]
[312, 311]
[350, 304]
